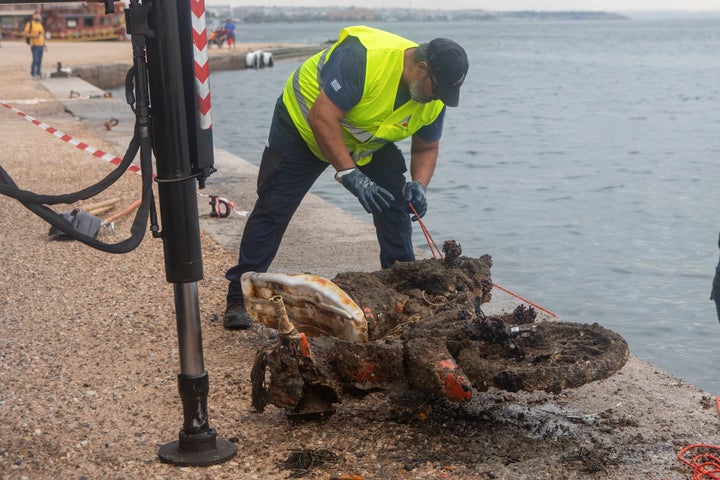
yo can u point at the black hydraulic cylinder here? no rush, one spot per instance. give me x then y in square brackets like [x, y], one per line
[171, 124]
[173, 101]
[176, 135]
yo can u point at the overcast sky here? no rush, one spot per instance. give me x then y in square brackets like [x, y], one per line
[597, 5]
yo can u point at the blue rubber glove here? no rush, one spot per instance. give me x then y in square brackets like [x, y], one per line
[414, 192]
[373, 197]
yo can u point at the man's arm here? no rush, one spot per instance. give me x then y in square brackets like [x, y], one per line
[324, 119]
[423, 158]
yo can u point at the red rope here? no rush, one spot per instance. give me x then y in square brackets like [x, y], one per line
[433, 247]
[706, 464]
[525, 300]
[428, 238]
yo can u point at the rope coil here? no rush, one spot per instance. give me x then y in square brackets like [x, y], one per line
[705, 464]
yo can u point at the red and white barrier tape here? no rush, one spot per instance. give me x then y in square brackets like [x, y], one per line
[72, 141]
[97, 153]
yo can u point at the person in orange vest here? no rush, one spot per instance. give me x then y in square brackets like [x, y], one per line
[35, 34]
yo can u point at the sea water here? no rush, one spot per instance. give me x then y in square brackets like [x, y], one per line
[584, 158]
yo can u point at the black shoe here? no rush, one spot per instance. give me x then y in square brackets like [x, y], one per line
[236, 317]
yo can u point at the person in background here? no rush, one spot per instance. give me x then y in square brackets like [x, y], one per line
[715, 292]
[347, 106]
[230, 32]
[35, 32]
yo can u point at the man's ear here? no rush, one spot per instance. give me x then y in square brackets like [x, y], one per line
[422, 69]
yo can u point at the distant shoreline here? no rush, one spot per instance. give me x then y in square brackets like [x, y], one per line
[304, 14]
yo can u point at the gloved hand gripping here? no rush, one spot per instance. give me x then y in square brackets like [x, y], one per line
[414, 193]
[373, 197]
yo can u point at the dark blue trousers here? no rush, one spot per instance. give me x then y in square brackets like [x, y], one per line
[37, 56]
[287, 171]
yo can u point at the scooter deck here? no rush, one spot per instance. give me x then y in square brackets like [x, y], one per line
[315, 305]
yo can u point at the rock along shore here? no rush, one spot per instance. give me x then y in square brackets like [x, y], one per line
[88, 351]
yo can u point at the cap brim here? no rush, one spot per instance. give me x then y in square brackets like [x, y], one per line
[450, 96]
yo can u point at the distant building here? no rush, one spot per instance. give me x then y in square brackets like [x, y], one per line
[362, 14]
[14, 17]
[66, 21]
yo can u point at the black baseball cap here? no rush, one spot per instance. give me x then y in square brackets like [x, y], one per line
[448, 65]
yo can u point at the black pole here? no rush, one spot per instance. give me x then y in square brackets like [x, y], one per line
[180, 145]
[171, 124]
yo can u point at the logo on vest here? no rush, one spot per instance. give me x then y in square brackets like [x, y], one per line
[404, 123]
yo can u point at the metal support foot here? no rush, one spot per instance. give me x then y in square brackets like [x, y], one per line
[198, 445]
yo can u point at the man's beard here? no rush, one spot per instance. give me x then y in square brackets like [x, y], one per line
[416, 92]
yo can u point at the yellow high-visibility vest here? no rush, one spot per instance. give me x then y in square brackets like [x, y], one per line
[374, 121]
